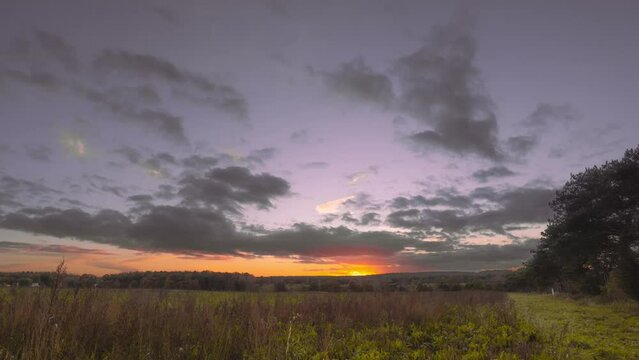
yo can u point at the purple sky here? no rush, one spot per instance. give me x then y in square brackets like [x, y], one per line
[406, 135]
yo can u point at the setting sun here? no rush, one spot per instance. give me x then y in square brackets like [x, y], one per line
[358, 273]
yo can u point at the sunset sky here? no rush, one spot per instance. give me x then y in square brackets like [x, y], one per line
[281, 137]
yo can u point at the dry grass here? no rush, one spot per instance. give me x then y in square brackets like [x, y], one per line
[145, 324]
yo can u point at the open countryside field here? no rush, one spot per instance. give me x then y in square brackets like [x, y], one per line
[148, 324]
[594, 331]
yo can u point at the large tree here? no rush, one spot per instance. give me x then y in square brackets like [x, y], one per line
[594, 231]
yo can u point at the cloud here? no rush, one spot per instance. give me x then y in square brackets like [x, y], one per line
[103, 184]
[112, 102]
[170, 228]
[361, 176]
[187, 230]
[230, 188]
[57, 47]
[315, 165]
[154, 165]
[362, 201]
[546, 114]
[490, 210]
[166, 15]
[471, 257]
[366, 219]
[520, 146]
[359, 81]
[254, 157]
[499, 171]
[185, 84]
[106, 226]
[41, 79]
[441, 87]
[45, 45]
[39, 153]
[332, 205]
[15, 192]
[198, 162]
[311, 241]
[445, 197]
[299, 136]
[50, 248]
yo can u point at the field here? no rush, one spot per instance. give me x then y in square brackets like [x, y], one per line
[148, 324]
[599, 331]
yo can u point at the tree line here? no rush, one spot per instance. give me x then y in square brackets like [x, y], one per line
[217, 281]
[591, 243]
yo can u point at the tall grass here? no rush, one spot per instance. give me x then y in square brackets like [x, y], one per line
[145, 324]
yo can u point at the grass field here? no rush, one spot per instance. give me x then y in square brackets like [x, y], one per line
[147, 324]
[590, 330]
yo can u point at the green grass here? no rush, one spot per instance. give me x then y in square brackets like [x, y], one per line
[590, 330]
[146, 324]
[468, 325]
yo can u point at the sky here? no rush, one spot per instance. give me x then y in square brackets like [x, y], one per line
[281, 137]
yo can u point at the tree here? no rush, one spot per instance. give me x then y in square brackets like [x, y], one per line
[594, 230]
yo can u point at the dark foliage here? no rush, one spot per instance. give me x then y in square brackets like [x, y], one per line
[594, 231]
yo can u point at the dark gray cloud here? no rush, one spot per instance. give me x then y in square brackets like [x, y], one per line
[311, 241]
[359, 81]
[547, 114]
[162, 228]
[230, 188]
[315, 165]
[189, 230]
[58, 49]
[299, 136]
[37, 78]
[167, 15]
[444, 197]
[370, 218]
[556, 153]
[499, 171]
[520, 146]
[441, 87]
[254, 157]
[155, 164]
[348, 217]
[472, 257]
[99, 183]
[45, 45]
[39, 153]
[198, 162]
[106, 226]
[505, 207]
[166, 192]
[185, 84]
[15, 192]
[329, 218]
[362, 201]
[51, 248]
[122, 109]
[259, 156]
[141, 203]
[180, 229]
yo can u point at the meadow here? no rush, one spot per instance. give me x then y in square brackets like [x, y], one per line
[167, 324]
[591, 328]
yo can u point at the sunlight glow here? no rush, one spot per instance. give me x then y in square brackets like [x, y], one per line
[333, 205]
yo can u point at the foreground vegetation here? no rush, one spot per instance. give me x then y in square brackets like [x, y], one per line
[592, 330]
[149, 324]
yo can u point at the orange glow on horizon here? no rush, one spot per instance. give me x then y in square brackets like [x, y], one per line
[100, 259]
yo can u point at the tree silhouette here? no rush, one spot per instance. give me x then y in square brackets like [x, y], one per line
[593, 232]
